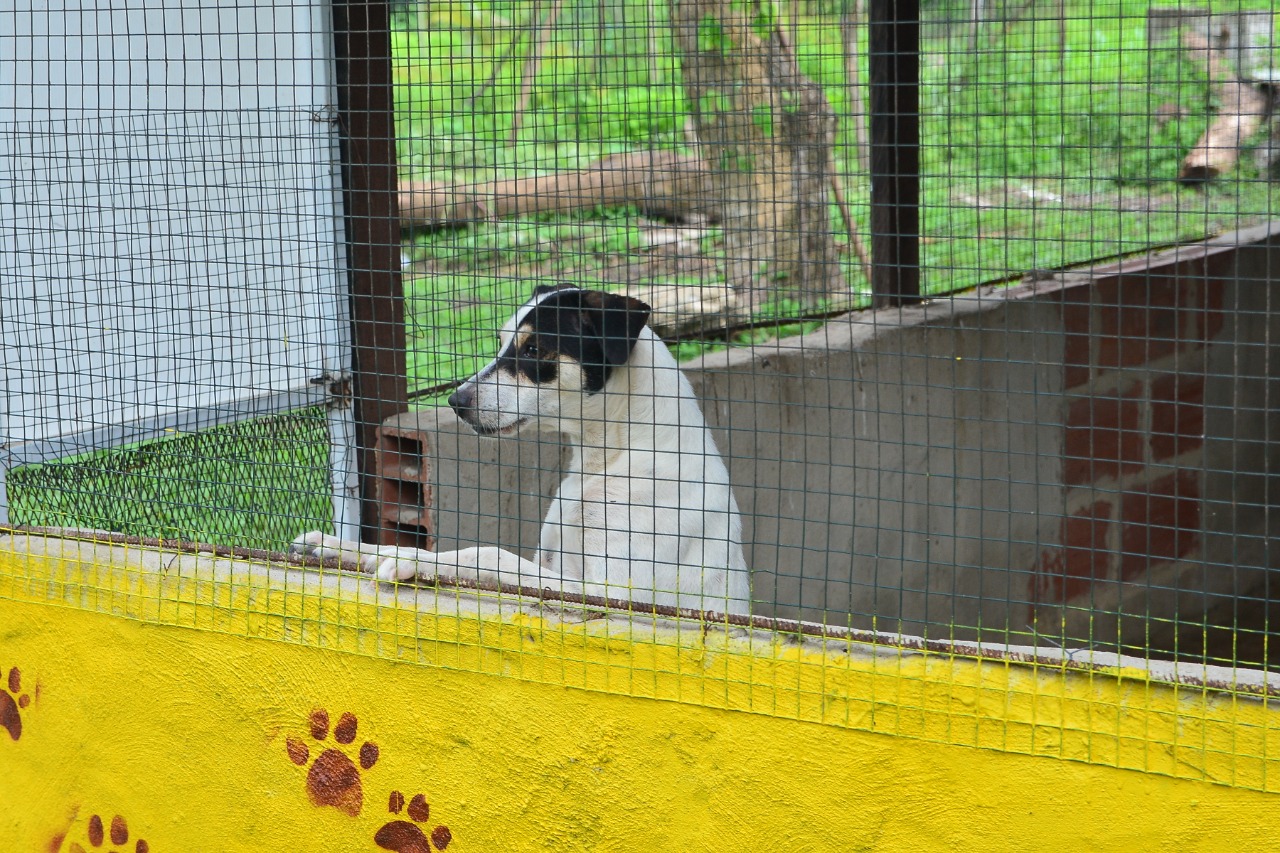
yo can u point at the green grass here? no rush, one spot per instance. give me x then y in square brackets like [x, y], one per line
[254, 484]
[477, 304]
[1022, 117]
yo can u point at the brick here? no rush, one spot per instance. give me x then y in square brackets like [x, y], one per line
[1085, 556]
[1102, 438]
[1077, 344]
[1077, 311]
[1069, 571]
[1107, 291]
[1075, 376]
[1141, 326]
[403, 488]
[1132, 350]
[1215, 304]
[1177, 415]
[1206, 317]
[1076, 368]
[1213, 323]
[1216, 283]
[1159, 524]
[1145, 316]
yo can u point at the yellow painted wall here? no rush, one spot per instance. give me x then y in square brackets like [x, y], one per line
[174, 700]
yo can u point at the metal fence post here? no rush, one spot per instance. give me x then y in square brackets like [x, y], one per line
[893, 66]
[362, 34]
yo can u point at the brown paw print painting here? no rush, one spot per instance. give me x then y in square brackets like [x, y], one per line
[12, 702]
[406, 836]
[333, 778]
[97, 835]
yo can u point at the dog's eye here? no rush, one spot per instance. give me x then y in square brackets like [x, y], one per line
[530, 350]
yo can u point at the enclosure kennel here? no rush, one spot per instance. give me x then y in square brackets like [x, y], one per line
[999, 423]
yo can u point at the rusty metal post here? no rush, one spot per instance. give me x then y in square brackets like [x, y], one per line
[893, 76]
[362, 35]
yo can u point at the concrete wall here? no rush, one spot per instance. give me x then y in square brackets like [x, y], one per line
[891, 461]
[1064, 457]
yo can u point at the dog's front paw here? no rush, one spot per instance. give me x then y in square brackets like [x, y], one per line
[317, 544]
[401, 564]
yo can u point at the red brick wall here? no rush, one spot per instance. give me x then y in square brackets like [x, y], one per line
[1134, 374]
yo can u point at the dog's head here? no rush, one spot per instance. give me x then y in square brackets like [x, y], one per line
[560, 348]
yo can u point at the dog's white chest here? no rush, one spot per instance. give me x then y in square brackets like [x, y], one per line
[597, 518]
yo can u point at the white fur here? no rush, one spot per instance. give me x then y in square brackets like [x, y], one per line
[645, 511]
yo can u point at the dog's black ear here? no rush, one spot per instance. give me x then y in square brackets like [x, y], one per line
[552, 288]
[616, 321]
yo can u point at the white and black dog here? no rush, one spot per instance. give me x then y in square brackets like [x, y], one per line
[645, 511]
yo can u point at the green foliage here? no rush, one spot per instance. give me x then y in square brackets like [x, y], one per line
[597, 92]
[1028, 110]
[712, 102]
[732, 160]
[625, 112]
[765, 19]
[762, 118]
[454, 320]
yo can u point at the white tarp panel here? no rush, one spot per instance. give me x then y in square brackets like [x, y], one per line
[170, 217]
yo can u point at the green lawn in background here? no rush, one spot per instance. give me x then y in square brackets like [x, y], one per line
[254, 484]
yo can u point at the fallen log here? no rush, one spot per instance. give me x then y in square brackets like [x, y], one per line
[690, 310]
[1242, 111]
[661, 183]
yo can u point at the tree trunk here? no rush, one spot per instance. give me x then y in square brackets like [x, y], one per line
[768, 133]
[849, 22]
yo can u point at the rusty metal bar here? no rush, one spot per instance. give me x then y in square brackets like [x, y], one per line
[362, 36]
[893, 75]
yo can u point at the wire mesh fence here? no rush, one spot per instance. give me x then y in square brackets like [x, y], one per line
[172, 264]
[248, 484]
[1003, 470]
[971, 304]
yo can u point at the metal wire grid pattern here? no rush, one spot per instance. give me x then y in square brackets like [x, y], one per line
[1046, 458]
[169, 273]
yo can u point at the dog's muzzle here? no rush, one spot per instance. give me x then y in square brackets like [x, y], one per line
[463, 401]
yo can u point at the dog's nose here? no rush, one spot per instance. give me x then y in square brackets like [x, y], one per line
[463, 401]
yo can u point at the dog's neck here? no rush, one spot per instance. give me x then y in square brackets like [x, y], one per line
[645, 405]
